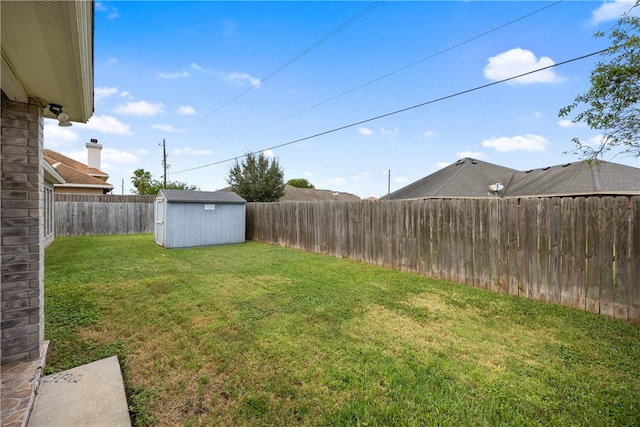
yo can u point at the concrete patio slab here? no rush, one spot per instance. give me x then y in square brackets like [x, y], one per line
[88, 395]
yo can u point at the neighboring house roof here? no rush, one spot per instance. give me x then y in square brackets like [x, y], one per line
[76, 174]
[472, 178]
[294, 194]
[187, 196]
[464, 178]
[573, 179]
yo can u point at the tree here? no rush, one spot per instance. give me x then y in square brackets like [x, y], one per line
[145, 185]
[256, 179]
[300, 183]
[611, 104]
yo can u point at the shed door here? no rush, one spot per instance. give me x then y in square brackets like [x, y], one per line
[159, 231]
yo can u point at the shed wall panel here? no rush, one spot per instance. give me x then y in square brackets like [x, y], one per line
[190, 224]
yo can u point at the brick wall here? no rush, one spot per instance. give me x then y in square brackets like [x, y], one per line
[22, 248]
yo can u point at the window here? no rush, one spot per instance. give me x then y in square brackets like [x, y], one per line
[48, 212]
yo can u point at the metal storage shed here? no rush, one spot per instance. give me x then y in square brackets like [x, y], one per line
[198, 218]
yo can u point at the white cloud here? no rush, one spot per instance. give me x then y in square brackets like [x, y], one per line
[112, 11]
[386, 132]
[528, 142]
[175, 75]
[429, 134]
[167, 128]
[569, 124]
[141, 151]
[269, 154]
[400, 180]
[338, 181]
[198, 68]
[107, 124]
[307, 173]
[361, 176]
[56, 136]
[442, 164]
[117, 156]
[595, 141]
[104, 92]
[191, 152]
[611, 11]
[472, 154]
[518, 61]
[186, 110]
[242, 78]
[141, 108]
[125, 94]
[365, 131]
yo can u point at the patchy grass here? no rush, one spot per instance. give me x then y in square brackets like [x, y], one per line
[253, 334]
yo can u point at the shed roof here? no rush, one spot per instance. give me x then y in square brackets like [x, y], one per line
[187, 196]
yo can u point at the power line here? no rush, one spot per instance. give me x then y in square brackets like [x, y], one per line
[395, 71]
[433, 101]
[350, 21]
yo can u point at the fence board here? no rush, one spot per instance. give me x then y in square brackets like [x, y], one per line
[513, 257]
[593, 250]
[555, 250]
[493, 227]
[567, 253]
[605, 255]
[621, 244]
[578, 278]
[634, 261]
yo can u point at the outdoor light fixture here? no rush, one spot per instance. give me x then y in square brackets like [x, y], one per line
[62, 116]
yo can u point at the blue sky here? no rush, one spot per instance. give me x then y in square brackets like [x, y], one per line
[210, 79]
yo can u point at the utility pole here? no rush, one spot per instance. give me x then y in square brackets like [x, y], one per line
[123, 186]
[164, 163]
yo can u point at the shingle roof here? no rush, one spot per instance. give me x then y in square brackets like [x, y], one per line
[472, 178]
[75, 172]
[294, 194]
[580, 178]
[186, 196]
[465, 178]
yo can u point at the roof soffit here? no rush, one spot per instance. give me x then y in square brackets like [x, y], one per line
[47, 54]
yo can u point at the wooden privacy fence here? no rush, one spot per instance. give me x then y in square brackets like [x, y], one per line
[579, 252]
[80, 215]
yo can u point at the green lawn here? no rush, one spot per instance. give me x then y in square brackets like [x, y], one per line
[252, 334]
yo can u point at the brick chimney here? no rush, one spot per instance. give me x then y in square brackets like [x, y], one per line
[93, 153]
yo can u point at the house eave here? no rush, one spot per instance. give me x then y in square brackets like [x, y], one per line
[47, 54]
[50, 174]
[71, 185]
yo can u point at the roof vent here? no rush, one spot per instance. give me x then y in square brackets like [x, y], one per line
[530, 170]
[568, 164]
[547, 168]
